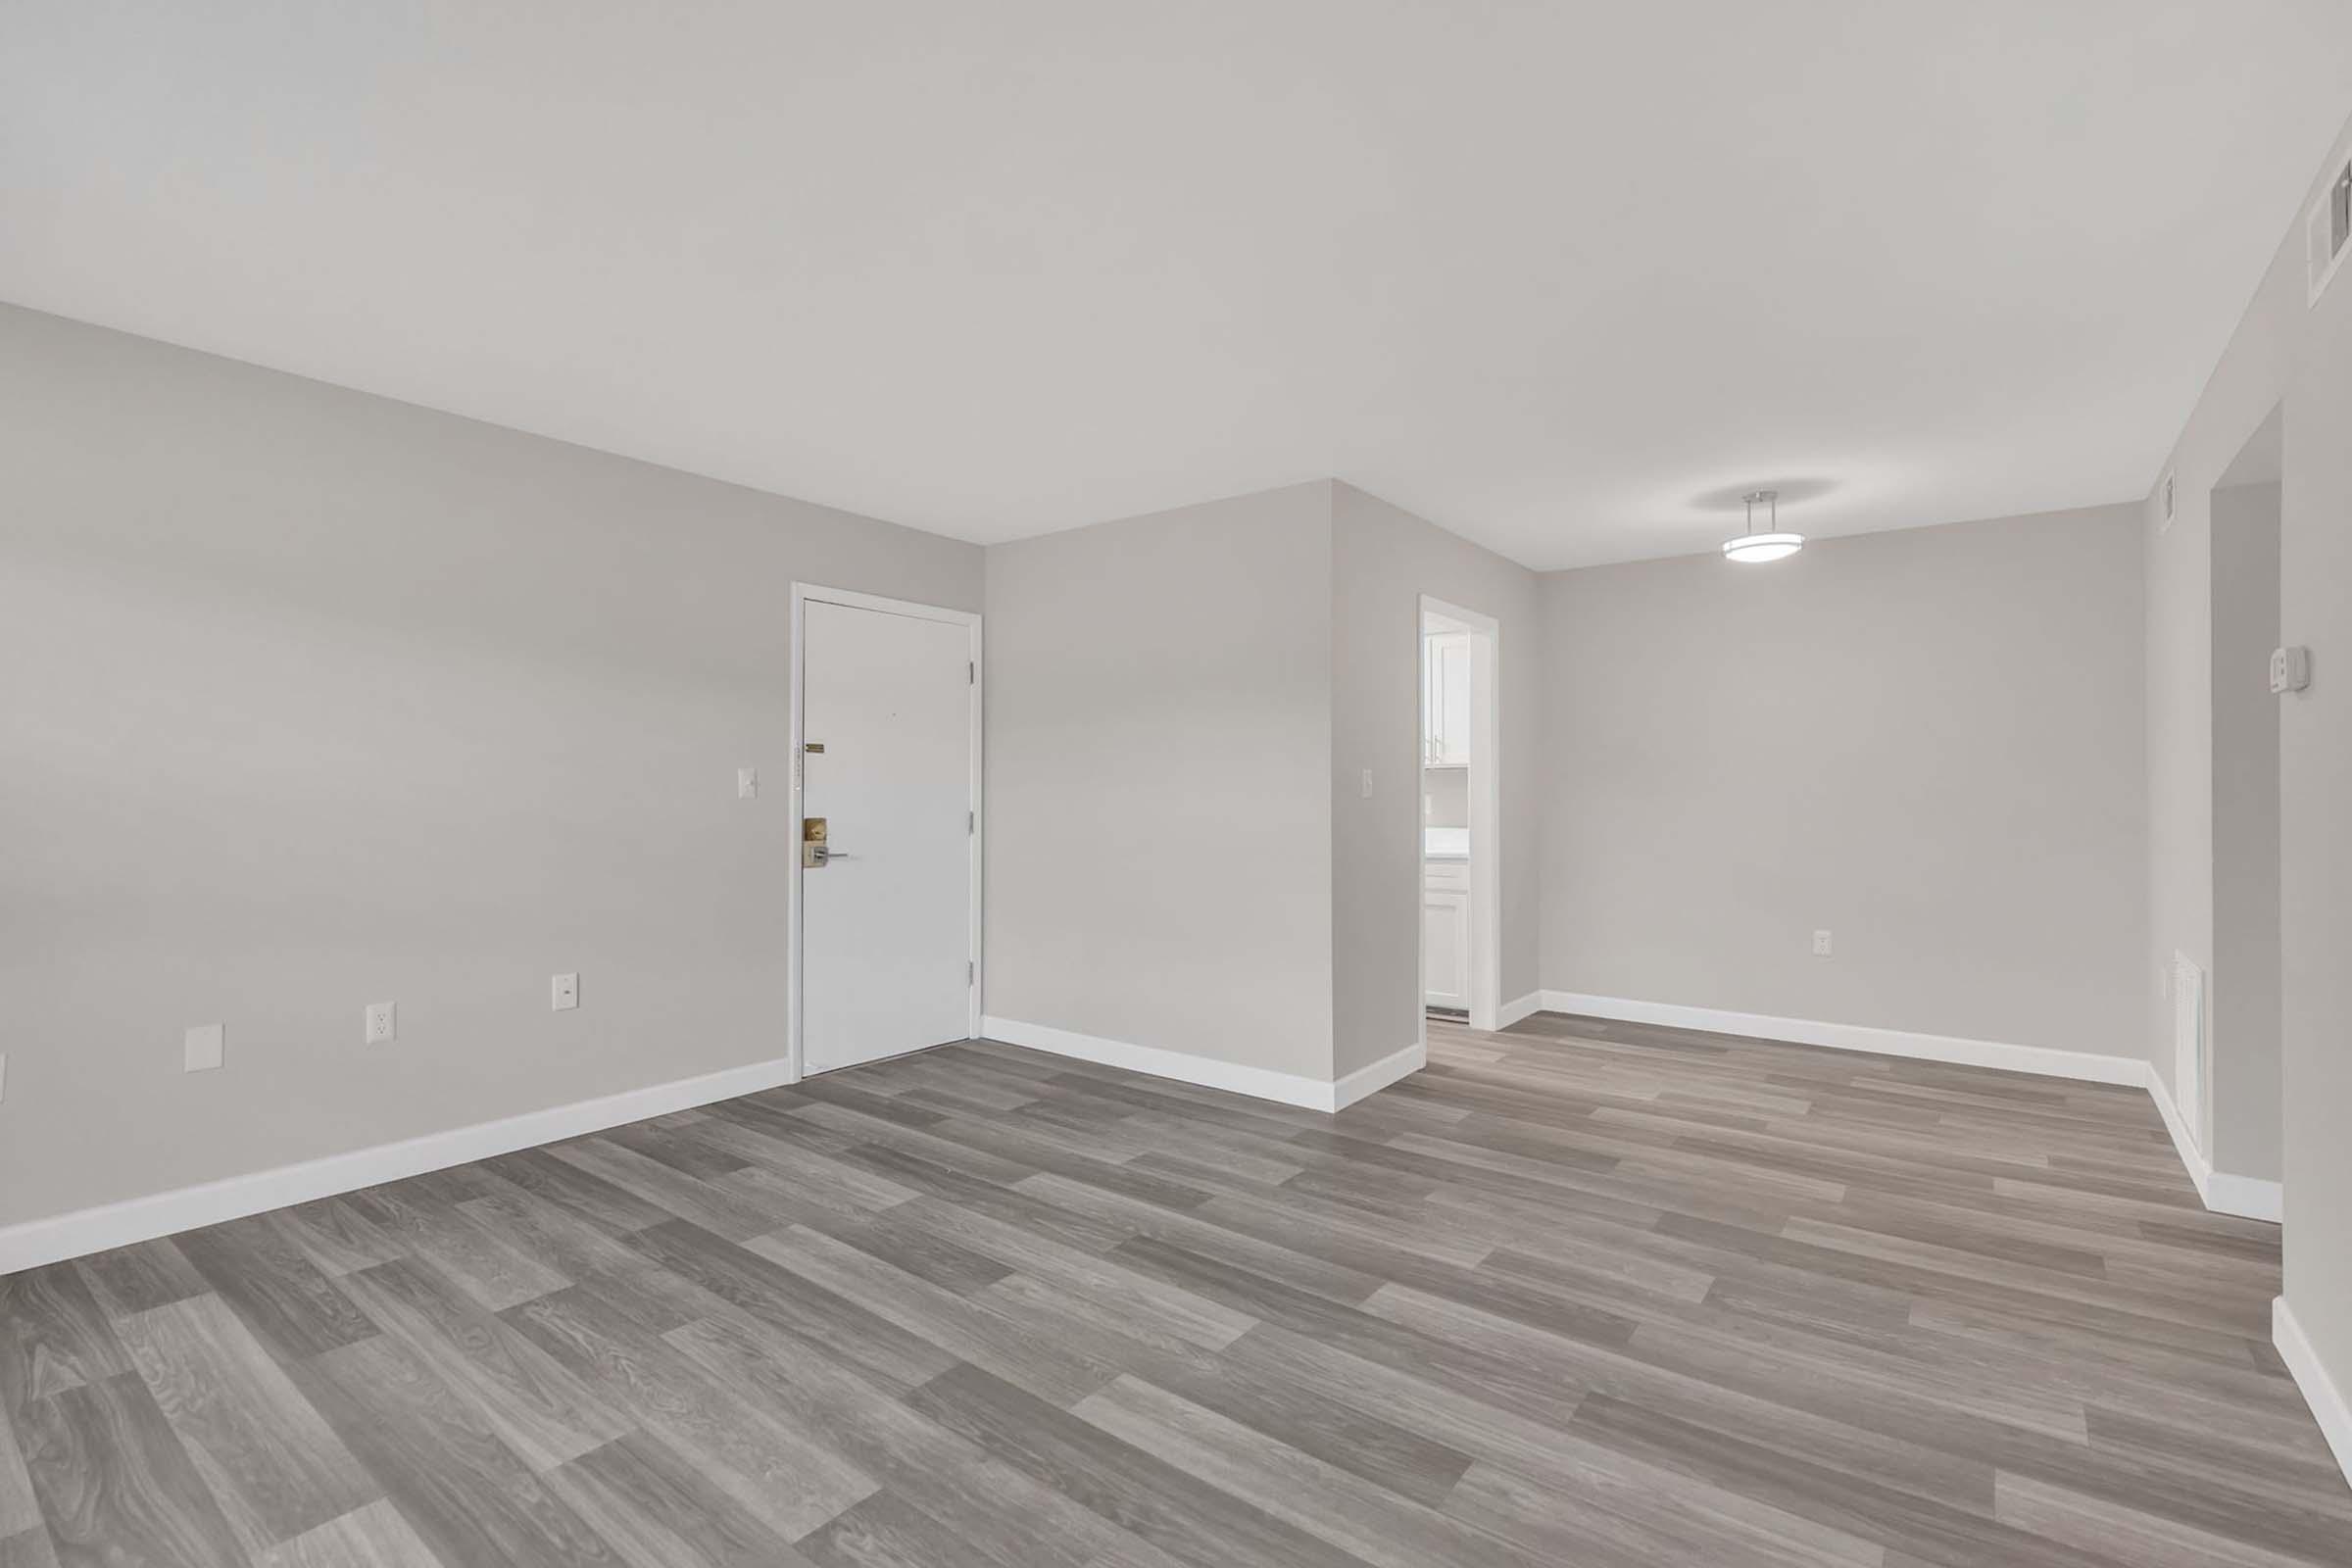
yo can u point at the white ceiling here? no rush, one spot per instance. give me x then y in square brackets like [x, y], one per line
[1562, 277]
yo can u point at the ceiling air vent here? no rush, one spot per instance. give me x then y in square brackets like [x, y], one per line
[2328, 231]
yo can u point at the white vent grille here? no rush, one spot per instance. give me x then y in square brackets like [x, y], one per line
[2189, 1046]
[2328, 231]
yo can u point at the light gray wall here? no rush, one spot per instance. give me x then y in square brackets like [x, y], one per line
[314, 700]
[2296, 359]
[1384, 560]
[2243, 996]
[1160, 732]
[1927, 742]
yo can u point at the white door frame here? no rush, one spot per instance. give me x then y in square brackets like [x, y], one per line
[802, 594]
[1486, 814]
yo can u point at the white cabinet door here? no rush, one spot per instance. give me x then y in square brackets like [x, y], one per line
[1433, 706]
[1445, 948]
[1446, 740]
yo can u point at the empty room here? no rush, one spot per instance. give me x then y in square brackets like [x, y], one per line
[1050, 784]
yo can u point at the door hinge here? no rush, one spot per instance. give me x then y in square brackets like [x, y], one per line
[971, 821]
[971, 673]
[971, 972]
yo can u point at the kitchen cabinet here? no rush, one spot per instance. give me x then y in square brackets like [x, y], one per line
[1446, 700]
[1446, 935]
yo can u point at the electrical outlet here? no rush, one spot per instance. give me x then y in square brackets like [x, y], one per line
[381, 1022]
[201, 1051]
[747, 783]
[565, 993]
[1821, 943]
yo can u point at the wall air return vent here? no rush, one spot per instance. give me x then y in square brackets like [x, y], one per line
[2327, 230]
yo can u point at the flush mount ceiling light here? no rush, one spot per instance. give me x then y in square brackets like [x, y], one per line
[1753, 548]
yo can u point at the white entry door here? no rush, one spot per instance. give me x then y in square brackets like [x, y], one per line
[886, 931]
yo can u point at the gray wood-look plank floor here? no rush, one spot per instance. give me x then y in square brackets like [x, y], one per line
[1582, 1293]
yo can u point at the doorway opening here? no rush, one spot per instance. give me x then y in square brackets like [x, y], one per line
[884, 905]
[2228, 1078]
[1460, 817]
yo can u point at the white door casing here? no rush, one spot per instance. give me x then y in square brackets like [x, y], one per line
[886, 750]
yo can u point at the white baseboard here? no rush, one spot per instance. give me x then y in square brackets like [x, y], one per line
[140, 1219]
[1260, 1083]
[1527, 1006]
[2328, 1406]
[2084, 1065]
[2246, 1197]
[1382, 1074]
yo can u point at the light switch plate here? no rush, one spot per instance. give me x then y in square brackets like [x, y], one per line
[382, 1024]
[2290, 670]
[203, 1047]
[1367, 783]
[747, 783]
[564, 993]
[1821, 943]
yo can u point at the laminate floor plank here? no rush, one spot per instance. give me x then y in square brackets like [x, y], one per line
[53, 1335]
[271, 1462]
[784, 1475]
[433, 1228]
[260, 1270]
[28, 1548]
[1377, 1524]
[374, 1537]
[338, 1237]
[19, 1513]
[886, 1532]
[660, 1511]
[465, 1493]
[115, 1484]
[1189, 1519]
[1585, 1292]
[133, 1278]
[537, 1407]
[1003, 1513]
[755, 1284]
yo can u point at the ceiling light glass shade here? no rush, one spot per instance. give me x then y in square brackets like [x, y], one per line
[1757, 547]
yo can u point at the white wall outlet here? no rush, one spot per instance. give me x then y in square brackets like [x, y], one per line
[1821, 943]
[381, 1022]
[2290, 670]
[747, 783]
[1367, 783]
[201, 1051]
[564, 993]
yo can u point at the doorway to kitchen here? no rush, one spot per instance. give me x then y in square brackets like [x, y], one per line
[1461, 816]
